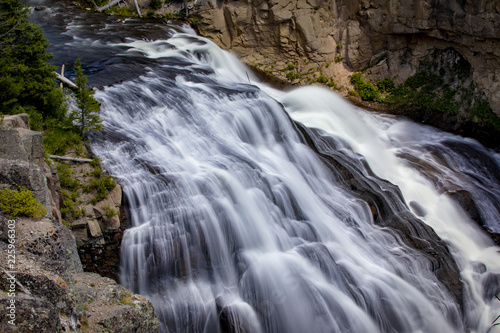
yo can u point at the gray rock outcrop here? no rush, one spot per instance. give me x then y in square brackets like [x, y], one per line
[22, 159]
[52, 291]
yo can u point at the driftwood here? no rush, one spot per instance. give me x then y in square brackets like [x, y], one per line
[62, 74]
[72, 159]
[137, 8]
[115, 2]
[65, 80]
[110, 4]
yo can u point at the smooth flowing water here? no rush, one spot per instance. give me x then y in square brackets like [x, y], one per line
[239, 225]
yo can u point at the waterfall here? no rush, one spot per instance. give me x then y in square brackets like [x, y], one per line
[258, 210]
[431, 168]
[238, 225]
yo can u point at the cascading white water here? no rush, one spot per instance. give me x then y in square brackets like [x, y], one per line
[237, 222]
[239, 226]
[390, 146]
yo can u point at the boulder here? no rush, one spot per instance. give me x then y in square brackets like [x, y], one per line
[25, 174]
[11, 147]
[20, 120]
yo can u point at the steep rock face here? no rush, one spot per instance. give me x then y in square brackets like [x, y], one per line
[22, 160]
[389, 38]
[98, 236]
[58, 296]
[52, 292]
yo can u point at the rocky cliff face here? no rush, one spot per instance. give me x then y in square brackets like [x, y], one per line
[53, 293]
[98, 234]
[389, 38]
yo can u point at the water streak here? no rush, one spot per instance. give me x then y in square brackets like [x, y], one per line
[238, 225]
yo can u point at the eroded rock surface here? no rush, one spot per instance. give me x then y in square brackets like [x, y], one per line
[389, 38]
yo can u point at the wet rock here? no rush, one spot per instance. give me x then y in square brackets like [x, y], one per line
[389, 211]
[236, 316]
[491, 285]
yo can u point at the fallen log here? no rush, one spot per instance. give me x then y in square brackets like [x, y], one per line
[110, 4]
[65, 80]
[72, 159]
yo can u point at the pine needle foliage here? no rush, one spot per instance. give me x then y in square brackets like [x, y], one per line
[85, 117]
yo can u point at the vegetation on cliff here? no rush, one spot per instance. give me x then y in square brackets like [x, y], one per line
[20, 203]
[434, 89]
[85, 118]
[82, 185]
[29, 83]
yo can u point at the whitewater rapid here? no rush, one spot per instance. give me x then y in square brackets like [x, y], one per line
[237, 222]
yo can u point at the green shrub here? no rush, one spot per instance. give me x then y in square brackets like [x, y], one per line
[102, 186]
[57, 141]
[482, 114]
[173, 16]
[366, 90]
[322, 79]
[385, 85]
[121, 11]
[110, 212]
[156, 4]
[21, 202]
[96, 172]
[332, 84]
[66, 177]
[425, 90]
[95, 162]
[292, 75]
[338, 59]
[356, 79]
[69, 208]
